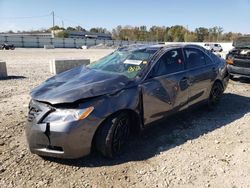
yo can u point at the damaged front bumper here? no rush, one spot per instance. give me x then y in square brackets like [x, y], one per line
[238, 71]
[63, 140]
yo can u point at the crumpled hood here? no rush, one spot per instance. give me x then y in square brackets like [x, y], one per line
[78, 83]
[242, 42]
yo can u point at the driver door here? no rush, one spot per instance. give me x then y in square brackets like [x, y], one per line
[166, 88]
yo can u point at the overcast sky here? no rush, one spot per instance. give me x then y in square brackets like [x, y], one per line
[232, 15]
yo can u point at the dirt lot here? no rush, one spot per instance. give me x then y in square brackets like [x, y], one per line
[197, 149]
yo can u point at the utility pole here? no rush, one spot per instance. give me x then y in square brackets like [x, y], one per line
[62, 24]
[53, 18]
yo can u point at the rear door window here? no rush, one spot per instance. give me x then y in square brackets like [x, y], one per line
[194, 57]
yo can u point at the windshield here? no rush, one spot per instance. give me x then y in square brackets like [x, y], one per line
[243, 42]
[125, 62]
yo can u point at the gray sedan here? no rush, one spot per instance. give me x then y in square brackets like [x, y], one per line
[98, 106]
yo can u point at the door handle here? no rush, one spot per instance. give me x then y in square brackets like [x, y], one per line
[186, 80]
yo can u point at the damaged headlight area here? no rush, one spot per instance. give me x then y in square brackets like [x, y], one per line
[68, 115]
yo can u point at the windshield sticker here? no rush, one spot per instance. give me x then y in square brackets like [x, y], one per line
[134, 68]
[132, 62]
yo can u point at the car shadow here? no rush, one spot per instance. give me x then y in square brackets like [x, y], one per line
[172, 132]
[13, 78]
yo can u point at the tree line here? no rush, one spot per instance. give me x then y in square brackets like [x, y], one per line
[177, 33]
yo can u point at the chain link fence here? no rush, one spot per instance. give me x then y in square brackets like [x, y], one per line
[39, 42]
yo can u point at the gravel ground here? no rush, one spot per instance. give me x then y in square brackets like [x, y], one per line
[199, 148]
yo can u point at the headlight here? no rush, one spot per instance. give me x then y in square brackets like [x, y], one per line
[230, 59]
[230, 62]
[68, 115]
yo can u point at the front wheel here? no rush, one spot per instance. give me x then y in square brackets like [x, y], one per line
[113, 135]
[215, 94]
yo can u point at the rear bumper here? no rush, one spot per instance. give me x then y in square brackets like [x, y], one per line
[238, 71]
[68, 140]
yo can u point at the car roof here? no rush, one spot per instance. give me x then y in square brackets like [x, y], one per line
[157, 46]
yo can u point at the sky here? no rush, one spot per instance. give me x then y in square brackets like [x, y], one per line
[232, 15]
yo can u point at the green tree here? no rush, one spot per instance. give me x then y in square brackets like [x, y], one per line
[99, 30]
[62, 34]
[79, 28]
[190, 37]
[202, 34]
[56, 27]
[176, 33]
[71, 29]
[116, 32]
[214, 33]
[157, 33]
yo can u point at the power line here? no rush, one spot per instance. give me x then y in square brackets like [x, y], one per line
[25, 17]
[68, 20]
[71, 22]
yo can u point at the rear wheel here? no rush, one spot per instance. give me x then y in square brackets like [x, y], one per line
[112, 135]
[215, 94]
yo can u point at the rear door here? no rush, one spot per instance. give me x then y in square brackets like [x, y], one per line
[201, 74]
[166, 87]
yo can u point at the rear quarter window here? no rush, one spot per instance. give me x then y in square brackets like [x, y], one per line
[194, 57]
[214, 57]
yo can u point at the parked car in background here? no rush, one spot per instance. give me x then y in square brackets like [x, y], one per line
[238, 59]
[7, 47]
[98, 106]
[213, 47]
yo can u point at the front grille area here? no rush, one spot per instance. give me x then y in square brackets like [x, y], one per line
[241, 56]
[33, 113]
[242, 63]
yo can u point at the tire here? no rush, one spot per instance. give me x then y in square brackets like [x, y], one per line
[215, 94]
[112, 135]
